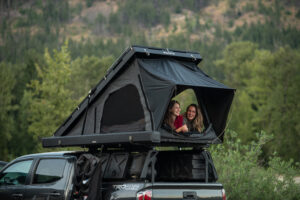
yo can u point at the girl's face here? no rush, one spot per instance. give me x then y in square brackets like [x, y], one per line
[191, 113]
[176, 109]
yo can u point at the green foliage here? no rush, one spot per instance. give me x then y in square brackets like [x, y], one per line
[50, 12]
[22, 142]
[266, 96]
[89, 3]
[193, 5]
[86, 73]
[77, 9]
[273, 86]
[235, 69]
[249, 7]
[7, 78]
[268, 35]
[232, 3]
[178, 9]
[186, 98]
[135, 14]
[234, 63]
[100, 19]
[298, 14]
[49, 98]
[243, 177]
[61, 83]
[55, 11]
[262, 9]
[230, 23]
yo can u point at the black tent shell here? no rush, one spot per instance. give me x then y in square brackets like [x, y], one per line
[128, 105]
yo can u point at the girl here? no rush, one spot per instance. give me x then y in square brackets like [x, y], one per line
[173, 120]
[193, 118]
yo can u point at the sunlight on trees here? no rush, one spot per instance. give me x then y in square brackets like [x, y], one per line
[49, 98]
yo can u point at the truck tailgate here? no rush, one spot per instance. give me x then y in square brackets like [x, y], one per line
[187, 191]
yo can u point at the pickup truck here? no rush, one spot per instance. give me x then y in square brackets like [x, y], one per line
[125, 174]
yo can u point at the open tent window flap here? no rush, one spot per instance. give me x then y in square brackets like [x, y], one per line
[129, 104]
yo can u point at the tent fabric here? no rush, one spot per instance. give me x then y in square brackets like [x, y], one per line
[161, 77]
[158, 93]
[132, 116]
[136, 97]
[217, 103]
[208, 135]
[178, 73]
[95, 110]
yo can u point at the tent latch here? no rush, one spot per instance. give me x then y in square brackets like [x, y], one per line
[193, 57]
[147, 53]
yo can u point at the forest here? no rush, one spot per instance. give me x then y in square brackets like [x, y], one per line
[53, 52]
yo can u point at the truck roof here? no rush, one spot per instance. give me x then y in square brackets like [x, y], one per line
[47, 154]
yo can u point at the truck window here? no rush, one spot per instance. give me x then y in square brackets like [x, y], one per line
[46, 173]
[16, 173]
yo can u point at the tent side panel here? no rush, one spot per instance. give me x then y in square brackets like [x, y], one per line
[217, 103]
[128, 77]
[130, 114]
[158, 93]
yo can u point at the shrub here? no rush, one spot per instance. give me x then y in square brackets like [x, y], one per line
[298, 14]
[248, 7]
[243, 176]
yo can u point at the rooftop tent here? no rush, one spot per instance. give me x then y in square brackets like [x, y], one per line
[129, 103]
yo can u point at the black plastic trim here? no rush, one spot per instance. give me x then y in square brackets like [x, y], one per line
[98, 139]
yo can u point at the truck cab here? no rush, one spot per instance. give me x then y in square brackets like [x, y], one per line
[38, 176]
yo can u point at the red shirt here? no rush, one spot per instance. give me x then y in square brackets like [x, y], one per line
[178, 122]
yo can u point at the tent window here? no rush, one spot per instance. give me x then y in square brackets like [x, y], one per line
[123, 111]
[187, 96]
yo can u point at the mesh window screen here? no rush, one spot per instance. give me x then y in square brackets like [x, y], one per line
[123, 111]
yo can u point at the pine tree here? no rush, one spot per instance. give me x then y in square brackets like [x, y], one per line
[49, 99]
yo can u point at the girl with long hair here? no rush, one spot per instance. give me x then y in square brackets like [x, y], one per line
[193, 118]
[173, 120]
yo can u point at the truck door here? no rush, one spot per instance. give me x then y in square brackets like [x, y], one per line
[49, 179]
[13, 180]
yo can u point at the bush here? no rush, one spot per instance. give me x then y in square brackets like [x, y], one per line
[248, 7]
[298, 14]
[243, 177]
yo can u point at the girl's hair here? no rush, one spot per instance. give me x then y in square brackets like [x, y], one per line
[197, 122]
[168, 116]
